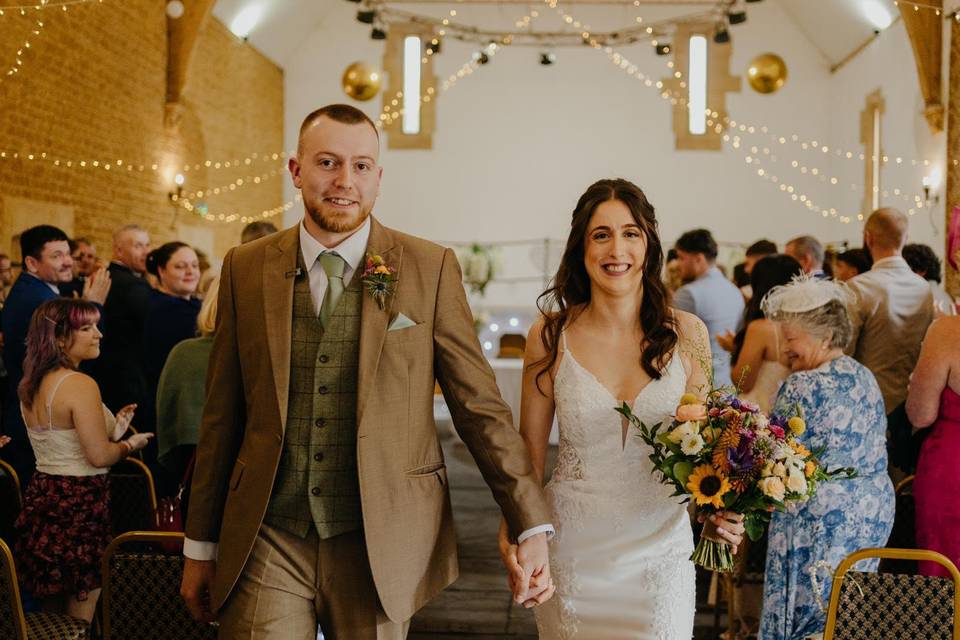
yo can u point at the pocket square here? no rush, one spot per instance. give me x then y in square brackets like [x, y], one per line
[401, 322]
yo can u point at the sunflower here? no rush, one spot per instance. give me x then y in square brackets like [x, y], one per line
[708, 486]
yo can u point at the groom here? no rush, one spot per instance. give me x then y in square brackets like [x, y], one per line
[320, 493]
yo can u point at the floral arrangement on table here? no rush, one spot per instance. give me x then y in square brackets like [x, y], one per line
[726, 455]
[480, 266]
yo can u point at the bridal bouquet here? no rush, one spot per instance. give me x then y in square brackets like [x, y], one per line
[726, 455]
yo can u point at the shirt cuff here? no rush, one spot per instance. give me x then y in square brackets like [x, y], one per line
[543, 528]
[198, 550]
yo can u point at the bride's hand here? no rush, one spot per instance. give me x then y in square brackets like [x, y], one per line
[508, 555]
[725, 527]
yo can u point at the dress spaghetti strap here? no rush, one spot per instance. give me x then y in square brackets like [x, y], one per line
[53, 393]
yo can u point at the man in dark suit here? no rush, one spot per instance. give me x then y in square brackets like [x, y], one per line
[119, 370]
[46, 264]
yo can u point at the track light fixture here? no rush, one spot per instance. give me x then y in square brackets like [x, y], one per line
[737, 17]
[378, 34]
[366, 17]
[663, 49]
[547, 58]
[433, 47]
[722, 36]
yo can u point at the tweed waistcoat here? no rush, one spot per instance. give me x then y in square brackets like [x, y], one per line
[317, 481]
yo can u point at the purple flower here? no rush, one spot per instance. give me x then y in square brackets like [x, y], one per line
[741, 457]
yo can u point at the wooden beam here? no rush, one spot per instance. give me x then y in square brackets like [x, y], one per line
[182, 35]
[925, 29]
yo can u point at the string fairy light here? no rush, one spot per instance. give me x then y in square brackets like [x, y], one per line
[202, 211]
[24, 9]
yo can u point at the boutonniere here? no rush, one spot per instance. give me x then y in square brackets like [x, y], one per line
[379, 278]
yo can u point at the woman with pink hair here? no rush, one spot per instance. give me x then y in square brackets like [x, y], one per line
[65, 523]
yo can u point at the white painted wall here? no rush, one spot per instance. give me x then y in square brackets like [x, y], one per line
[517, 143]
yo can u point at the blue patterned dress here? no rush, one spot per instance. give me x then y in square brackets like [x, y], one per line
[844, 412]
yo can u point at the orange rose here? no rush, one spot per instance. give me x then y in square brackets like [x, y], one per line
[691, 413]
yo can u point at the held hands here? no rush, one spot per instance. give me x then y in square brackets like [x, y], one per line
[97, 286]
[4, 440]
[528, 568]
[725, 527]
[123, 417]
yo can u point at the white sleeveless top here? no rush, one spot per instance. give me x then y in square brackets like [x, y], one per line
[58, 451]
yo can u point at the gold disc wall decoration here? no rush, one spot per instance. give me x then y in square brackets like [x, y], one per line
[361, 81]
[767, 73]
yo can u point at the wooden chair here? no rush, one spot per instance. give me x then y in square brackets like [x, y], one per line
[886, 606]
[15, 625]
[141, 591]
[133, 498]
[11, 501]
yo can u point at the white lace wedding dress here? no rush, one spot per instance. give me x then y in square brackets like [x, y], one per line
[620, 558]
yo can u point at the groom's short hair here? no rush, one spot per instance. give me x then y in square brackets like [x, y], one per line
[343, 113]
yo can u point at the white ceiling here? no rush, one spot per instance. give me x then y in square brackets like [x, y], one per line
[834, 27]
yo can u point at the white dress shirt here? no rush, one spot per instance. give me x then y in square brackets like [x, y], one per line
[353, 251]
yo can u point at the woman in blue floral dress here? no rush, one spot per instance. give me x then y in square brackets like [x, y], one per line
[844, 413]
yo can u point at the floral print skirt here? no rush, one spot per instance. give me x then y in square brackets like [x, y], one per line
[64, 529]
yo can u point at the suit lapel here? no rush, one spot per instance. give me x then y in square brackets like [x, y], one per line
[279, 267]
[373, 319]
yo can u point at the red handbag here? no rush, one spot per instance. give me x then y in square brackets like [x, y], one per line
[169, 511]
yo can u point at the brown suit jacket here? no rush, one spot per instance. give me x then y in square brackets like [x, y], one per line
[407, 518]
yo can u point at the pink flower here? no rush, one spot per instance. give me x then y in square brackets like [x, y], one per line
[777, 432]
[691, 413]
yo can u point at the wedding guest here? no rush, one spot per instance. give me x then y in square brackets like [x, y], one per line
[850, 263]
[808, 251]
[119, 369]
[759, 366]
[64, 526]
[933, 403]
[843, 408]
[179, 396]
[708, 295]
[6, 277]
[84, 255]
[47, 265]
[756, 251]
[256, 230]
[894, 307]
[171, 318]
[925, 263]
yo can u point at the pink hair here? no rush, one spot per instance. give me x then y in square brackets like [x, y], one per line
[53, 322]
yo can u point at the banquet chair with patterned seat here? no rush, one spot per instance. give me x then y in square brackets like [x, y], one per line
[512, 345]
[141, 590]
[16, 625]
[886, 606]
[11, 501]
[133, 499]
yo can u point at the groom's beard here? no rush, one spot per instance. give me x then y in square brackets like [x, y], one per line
[335, 221]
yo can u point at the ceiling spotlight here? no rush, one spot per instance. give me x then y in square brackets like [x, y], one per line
[722, 36]
[433, 47]
[481, 57]
[663, 49]
[355, 1]
[366, 17]
[547, 58]
[378, 34]
[737, 17]
[753, 0]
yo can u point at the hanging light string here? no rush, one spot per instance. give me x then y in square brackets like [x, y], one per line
[123, 165]
[35, 30]
[24, 9]
[203, 212]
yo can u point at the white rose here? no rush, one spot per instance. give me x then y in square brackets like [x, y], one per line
[779, 470]
[762, 421]
[683, 431]
[782, 452]
[773, 487]
[692, 445]
[796, 482]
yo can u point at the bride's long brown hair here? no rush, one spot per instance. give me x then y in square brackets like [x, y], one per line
[570, 289]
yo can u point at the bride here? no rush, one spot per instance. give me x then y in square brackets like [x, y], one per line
[620, 557]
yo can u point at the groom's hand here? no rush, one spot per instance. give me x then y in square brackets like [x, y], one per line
[195, 588]
[535, 585]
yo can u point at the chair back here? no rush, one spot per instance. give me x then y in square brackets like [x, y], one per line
[133, 499]
[13, 625]
[882, 606]
[141, 591]
[11, 501]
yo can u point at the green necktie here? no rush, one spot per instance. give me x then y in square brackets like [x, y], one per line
[334, 266]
